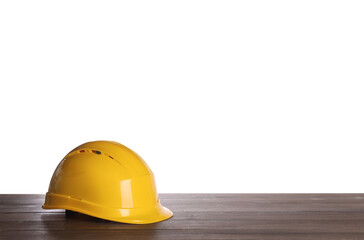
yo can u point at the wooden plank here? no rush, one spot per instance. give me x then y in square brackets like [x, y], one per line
[199, 196]
[173, 235]
[299, 207]
[207, 215]
[198, 216]
[242, 225]
[222, 202]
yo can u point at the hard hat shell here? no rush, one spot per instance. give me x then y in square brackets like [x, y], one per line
[107, 180]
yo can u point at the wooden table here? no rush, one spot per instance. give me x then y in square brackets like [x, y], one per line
[198, 216]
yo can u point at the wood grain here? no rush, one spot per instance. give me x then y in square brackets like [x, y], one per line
[198, 216]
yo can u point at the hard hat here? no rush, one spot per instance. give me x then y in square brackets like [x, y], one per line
[107, 180]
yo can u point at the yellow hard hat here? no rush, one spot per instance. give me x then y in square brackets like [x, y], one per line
[107, 180]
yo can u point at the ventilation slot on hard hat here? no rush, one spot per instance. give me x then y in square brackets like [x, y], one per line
[96, 152]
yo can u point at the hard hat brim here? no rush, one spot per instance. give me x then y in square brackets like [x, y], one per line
[133, 216]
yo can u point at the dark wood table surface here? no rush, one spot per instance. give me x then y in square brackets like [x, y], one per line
[197, 216]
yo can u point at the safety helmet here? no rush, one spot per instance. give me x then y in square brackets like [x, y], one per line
[107, 180]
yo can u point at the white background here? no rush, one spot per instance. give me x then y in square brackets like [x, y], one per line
[216, 96]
